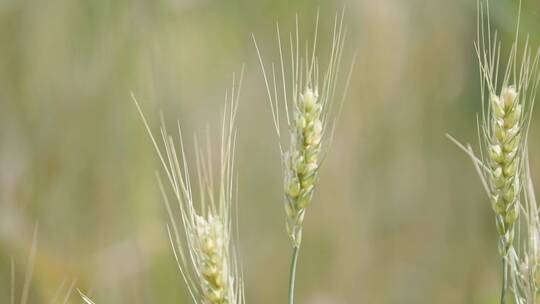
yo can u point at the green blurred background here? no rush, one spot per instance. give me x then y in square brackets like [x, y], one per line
[399, 215]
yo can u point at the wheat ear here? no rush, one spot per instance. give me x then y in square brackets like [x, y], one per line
[309, 118]
[308, 114]
[504, 129]
[205, 251]
[507, 100]
[505, 120]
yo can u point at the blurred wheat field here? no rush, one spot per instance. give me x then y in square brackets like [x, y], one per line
[400, 216]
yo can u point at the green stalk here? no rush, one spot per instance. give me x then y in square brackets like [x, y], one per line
[292, 274]
[504, 281]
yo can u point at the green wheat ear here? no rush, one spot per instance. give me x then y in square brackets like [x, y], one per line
[504, 161]
[507, 101]
[308, 99]
[205, 251]
[309, 115]
[302, 161]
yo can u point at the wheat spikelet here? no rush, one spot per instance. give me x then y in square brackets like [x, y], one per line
[205, 252]
[212, 259]
[308, 113]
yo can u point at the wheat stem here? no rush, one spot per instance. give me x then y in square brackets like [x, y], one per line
[504, 280]
[292, 274]
[12, 297]
[310, 118]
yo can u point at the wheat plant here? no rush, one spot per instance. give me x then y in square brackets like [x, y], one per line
[203, 234]
[307, 97]
[508, 95]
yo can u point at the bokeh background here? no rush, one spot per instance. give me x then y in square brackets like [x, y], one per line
[399, 215]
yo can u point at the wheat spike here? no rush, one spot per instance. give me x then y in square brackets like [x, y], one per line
[508, 96]
[506, 115]
[205, 251]
[307, 99]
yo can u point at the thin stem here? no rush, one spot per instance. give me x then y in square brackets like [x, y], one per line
[292, 274]
[504, 280]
